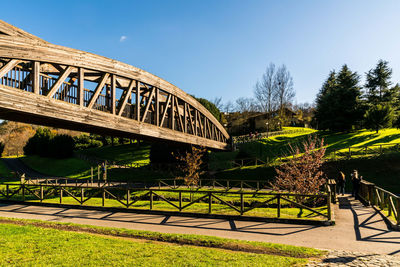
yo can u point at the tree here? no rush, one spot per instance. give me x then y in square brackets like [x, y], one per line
[245, 104]
[218, 103]
[339, 106]
[302, 174]
[379, 116]
[284, 90]
[191, 165]
[378, 82]
[265, 90]
[323, 111]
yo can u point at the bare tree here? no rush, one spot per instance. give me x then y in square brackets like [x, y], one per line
[218, 103]
[246, 104]
[285, 92]
[229, 107]
[266, 89]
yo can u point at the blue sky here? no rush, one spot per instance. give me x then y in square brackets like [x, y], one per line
[220, 48]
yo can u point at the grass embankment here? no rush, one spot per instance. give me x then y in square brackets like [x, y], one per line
[31, 242]
[382, 170]
[81, 169]
[122, 154]
[278, 146]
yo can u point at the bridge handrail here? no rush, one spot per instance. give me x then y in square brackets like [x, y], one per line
[382, 199]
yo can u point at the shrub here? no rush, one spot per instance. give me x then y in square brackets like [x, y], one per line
[302, 173]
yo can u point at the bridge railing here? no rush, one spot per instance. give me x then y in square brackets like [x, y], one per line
[385, 201]
[236, 203]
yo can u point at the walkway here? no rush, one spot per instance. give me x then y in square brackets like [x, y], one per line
[357, 229]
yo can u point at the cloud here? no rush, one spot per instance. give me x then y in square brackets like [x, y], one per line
[122, 38]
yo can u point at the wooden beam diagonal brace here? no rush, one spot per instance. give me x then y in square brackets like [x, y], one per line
[98, 90]
[126, 97]
[190, 118]
[179, 114]
[9, 66]
[165, 110]
[148, 104]
[59, 81]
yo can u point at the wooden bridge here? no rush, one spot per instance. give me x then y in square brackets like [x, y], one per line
[47, 84]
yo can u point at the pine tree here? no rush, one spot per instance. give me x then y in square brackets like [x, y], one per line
[379, 117]
[338, 102]
[378, 83]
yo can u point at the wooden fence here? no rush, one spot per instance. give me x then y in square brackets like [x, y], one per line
[366, 150]
[217, 183]
[174, 198]
[385, 201]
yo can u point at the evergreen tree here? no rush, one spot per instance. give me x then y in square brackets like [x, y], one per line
[338, 105]
[378, 83]
[323, 114]
[347, 105]
[379, 117]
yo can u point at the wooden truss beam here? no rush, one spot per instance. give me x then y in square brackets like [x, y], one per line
[59, 81]
[9, 66]
[125, 97]
[98, 90]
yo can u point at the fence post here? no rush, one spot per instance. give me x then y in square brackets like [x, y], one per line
[23, 192]
[91, 175]
[382, 206]
[279, 205]
[180, 201]
[227, 185]
[8, 191]
[389, 206]
[127, 198]
[329, 204]
[61, 195]
[209, 202]
[151, 199]
[398, 211]
[103, 197]
[82, 195]
[258, 185]
[41, 193]
[241, 185]
[241, 204]
[98, 175]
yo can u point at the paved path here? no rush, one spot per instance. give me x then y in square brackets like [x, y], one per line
[357, 229]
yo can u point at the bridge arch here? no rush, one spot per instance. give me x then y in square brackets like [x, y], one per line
[52, 85]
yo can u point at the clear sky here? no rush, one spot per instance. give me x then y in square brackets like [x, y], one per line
[219, 48]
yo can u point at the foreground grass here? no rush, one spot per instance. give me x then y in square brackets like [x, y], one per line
[182, 239]
[27, 245]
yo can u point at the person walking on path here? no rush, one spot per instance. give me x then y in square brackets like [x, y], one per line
[356, 183]
[340, 183]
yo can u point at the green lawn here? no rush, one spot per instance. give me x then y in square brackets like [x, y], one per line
[29, 245]
[81, 169]
[70, 167]
[123, 154]
[5, 173]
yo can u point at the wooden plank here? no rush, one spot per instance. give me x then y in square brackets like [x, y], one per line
[59, 81]
[190, 119]
[35, 77]
[138, 101]
[172, 115]
[149, 99]
[126, 97]
[9, 66]
[179, 115]
[165, 110]
[98, 90]
[113, 91]
[80, 91]
[157, 107]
